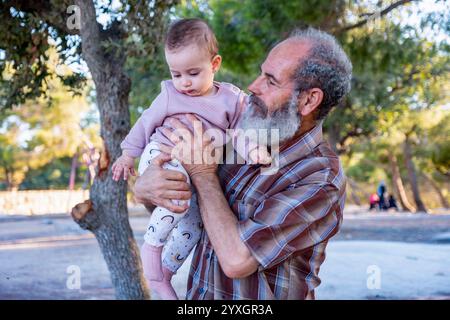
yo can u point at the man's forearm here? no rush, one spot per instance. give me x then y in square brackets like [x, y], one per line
[221, 227]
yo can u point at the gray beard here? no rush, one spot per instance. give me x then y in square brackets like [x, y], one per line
[286, 119]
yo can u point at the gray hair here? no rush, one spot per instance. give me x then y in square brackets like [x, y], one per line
[326, 67]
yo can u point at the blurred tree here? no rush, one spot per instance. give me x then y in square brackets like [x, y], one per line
[53, 175]
[432, 151]
[42, 129]
[438, 146]
[129, 28]
[12, 157]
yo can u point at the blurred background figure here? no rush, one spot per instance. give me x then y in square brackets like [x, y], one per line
[381, 191]
[392, 203]
[373, 200]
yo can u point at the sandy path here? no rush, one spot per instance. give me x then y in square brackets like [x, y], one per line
[36, 255]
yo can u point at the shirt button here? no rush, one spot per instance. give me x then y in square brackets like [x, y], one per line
[200, 290]
[233, 191]
[207, 256]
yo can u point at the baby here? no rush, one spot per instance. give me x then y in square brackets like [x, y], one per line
[191, 53]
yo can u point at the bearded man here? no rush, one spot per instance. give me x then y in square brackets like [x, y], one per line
[265, 235]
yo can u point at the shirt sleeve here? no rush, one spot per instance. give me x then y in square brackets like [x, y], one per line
[291, 221]
[139, 135]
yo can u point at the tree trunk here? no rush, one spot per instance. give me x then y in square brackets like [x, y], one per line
[334, 136]
[436, 188]
[73, 171]
[398, 183]
[353, 187]
[412, 175]
[106, 214]
[8, 179]
[11, 184]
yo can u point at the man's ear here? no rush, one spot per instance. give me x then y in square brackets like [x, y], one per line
[310, 101]
[216, 62]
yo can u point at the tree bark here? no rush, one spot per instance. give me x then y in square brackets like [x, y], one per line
[73, 171]
[106, 214]
[398, 183]
[436, 188]
[381, 13]
[11, 184]
[412, 175]
[353, 187]
[333, 133]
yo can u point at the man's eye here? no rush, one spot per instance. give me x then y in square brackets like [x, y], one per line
[176, 75]
[194, 73]
[269, 81]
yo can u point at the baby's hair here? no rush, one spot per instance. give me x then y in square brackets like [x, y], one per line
[185, 32]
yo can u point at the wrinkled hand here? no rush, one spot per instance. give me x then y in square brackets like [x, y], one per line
[157, 186]
[123, 165]
[194, 150]
[260, 155]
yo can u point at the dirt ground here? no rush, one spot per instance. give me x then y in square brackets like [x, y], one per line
[39, 254]
[389, 226]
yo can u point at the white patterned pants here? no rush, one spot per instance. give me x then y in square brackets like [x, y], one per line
[177, 232]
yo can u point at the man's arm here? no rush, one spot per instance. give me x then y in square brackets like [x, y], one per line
[158, 186]
[220, 223]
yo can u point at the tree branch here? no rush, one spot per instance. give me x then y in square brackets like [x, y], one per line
[45, 10]
[377, 14]
[91, 39]
[84, 215]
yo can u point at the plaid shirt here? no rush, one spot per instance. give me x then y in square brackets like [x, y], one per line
[285, 219]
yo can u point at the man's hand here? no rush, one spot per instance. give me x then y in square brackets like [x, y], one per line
[193, 151]
[159, 187]
[260, 155]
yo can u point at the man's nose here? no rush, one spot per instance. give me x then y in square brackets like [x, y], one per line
[254, 87]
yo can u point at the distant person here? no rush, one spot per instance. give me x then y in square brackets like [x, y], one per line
[381, 191]
[392, 203]
[373, 200]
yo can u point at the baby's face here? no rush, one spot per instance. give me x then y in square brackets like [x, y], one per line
[192, 70]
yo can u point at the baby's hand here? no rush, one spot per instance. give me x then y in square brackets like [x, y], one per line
[124, 164]
[260, 155]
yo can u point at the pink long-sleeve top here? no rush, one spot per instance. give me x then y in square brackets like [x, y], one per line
[221, 111]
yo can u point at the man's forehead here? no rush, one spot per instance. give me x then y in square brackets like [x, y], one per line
[284, 57]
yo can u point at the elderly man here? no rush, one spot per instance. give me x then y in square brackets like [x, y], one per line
[266, 234]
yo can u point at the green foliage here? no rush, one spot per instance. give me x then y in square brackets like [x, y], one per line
[43, 130]
[54, 175]
[23, 63]
[134, 28]
[438, 146]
